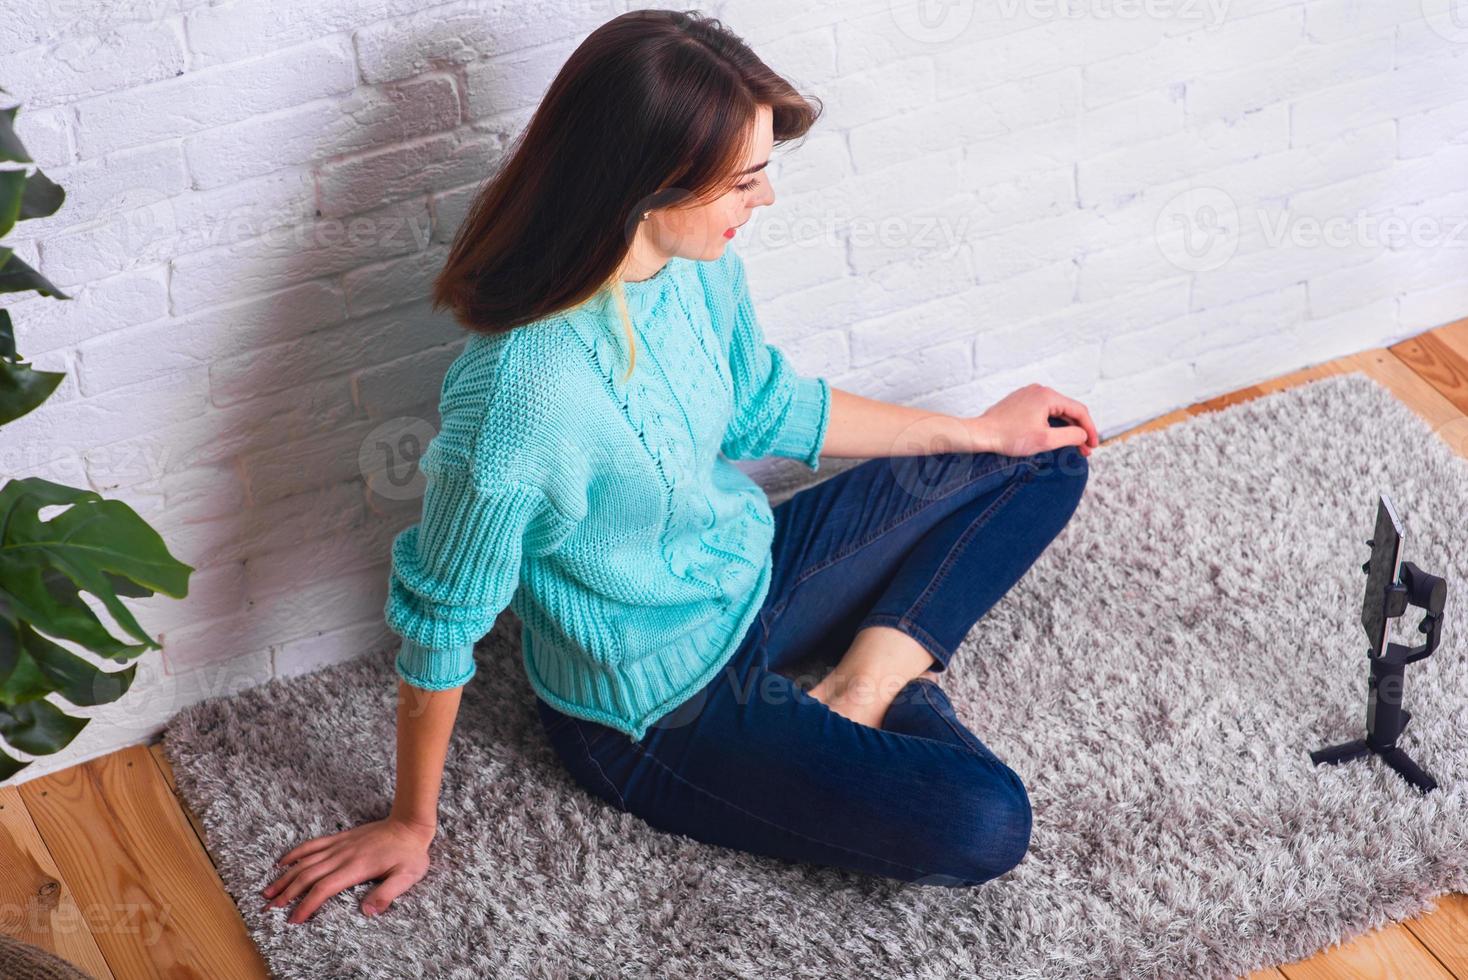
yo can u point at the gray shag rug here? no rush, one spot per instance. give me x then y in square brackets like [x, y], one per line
[1158, 680]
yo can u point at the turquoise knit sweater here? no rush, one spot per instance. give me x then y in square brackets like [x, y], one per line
[605, 512]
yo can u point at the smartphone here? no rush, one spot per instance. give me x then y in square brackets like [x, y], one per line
[1381, 572]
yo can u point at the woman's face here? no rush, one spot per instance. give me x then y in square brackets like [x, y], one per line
[703, 231]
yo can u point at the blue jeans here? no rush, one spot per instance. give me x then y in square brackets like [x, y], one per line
[923, 544]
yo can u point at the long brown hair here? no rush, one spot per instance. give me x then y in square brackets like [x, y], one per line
[654, 109]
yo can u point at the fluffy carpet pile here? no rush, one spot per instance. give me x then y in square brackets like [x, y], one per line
[1158, 680]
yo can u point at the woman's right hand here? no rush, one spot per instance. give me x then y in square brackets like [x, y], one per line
[390, 849]
[1019, 423]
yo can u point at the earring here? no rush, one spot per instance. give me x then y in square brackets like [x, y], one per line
[645, 215]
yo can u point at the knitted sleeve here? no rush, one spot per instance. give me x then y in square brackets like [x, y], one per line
[776, 410]
[454, 571]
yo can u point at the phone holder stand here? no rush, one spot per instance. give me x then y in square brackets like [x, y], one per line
[1386, 719]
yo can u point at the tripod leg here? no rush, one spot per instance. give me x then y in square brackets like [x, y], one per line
[1344, 752]
[1410, 771]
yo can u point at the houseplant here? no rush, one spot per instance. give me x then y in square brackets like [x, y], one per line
[101, 547]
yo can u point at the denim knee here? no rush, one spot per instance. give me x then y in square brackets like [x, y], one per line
[1007, 835]
[1063, 467]
[988, 831]
[1074, 464]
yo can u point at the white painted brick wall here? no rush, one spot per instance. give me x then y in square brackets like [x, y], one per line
[1143, 203]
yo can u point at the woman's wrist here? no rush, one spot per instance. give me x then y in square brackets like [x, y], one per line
[980, 434]
[423, 827]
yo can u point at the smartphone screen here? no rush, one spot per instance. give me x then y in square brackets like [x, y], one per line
[1385, 552]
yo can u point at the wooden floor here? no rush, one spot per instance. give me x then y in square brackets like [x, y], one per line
[109, 871]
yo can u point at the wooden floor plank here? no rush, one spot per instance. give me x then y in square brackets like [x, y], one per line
[1306, 375]
[125, 848]
[1224, 401]
[44, 910]
[1420, 396]
[1161, 422]
[1442, 361]
[1445, 932]
[1272, 386]
[166, 770]
[1453, 338]
[1457, 330]
[1383, 954]
[1303, 376]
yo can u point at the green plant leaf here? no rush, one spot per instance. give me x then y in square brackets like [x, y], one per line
[23, 389]
[39, 727]
[16, 277]
[9, 766]
[52, 601]
[11, 148]
[7, 337]
[127, 587]
[42, 198]
[9, 641]
[21, 679]
[24, 197]
[12, 190]
[84, 542]
[62, 671]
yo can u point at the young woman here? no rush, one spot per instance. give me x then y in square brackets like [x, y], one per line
[581, 476]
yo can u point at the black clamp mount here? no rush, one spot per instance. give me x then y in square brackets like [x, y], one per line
[1386, 719]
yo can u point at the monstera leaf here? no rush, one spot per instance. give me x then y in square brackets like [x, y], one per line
[22, 196]
[101, 547]
[94, 545]
[21, 387]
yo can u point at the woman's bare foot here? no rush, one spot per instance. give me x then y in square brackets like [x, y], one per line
[879, 663]
[860, 701]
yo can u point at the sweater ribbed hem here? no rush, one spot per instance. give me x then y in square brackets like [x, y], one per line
[804, 431]
[434, 670]
[630, 697]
